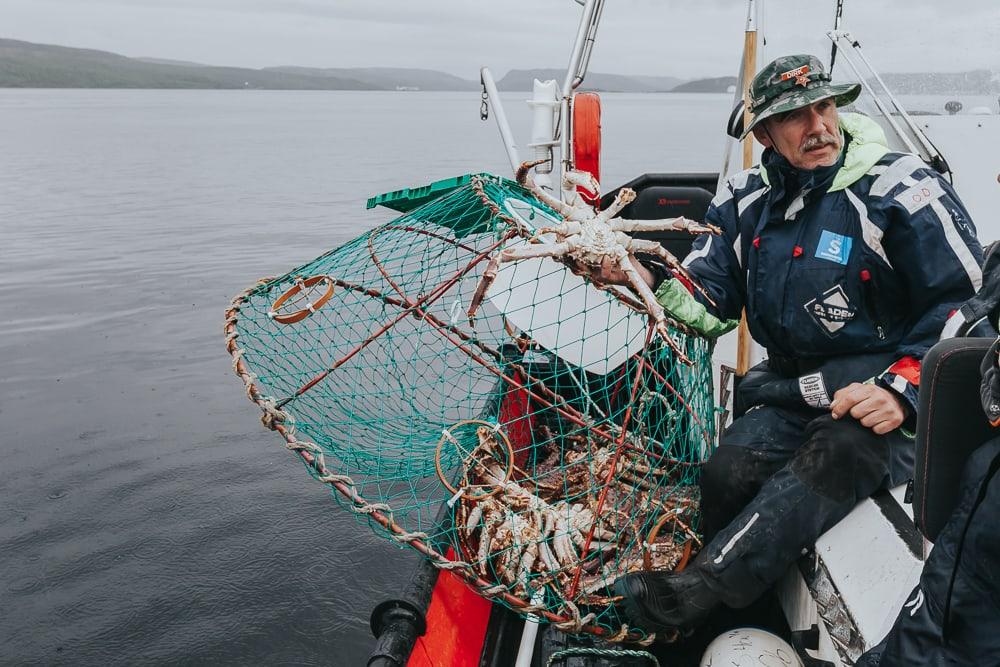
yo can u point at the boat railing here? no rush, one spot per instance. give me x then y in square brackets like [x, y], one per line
[561, 134]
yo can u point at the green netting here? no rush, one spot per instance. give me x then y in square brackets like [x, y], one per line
[540, 451]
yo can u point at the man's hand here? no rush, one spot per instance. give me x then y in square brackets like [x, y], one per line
[610, 273]
[877, 408]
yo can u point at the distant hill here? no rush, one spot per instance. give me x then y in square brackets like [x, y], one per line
[388, 78]
[976, 82]
[659, 83]
[522, 79]
[719, 84]
[27, 65]
[168, 61]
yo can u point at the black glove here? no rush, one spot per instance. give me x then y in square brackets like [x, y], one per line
[763, 386]
[989, 390]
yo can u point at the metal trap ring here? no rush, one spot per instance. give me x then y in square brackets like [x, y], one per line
[470, 457]
[300, 287]
[647, 561]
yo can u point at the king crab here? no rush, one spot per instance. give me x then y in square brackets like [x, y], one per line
[524, 541]
[587, 237]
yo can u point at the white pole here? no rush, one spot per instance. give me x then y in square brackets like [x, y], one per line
[545, 104]
[574, 77]
[505, 134]
[527, 648]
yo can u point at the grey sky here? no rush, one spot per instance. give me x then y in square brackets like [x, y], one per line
[684, 38]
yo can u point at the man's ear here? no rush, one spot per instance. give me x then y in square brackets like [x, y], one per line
[761, 135]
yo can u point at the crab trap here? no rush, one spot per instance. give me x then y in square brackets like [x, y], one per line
[540, 449]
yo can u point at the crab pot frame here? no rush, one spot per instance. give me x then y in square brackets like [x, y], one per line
[559, 479]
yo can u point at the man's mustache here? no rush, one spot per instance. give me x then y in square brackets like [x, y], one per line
[820, 140]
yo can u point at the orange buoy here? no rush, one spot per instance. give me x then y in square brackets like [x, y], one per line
[587, 138]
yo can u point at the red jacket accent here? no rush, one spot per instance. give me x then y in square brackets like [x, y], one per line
[909, 369]
[684, 281]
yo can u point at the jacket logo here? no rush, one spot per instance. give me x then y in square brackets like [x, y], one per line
[834, 247]
[799, 73]
[916, 603]
[832, 310]
[921, 194]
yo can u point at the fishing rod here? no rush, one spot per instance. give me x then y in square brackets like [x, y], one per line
[836, 26]
[926, 150]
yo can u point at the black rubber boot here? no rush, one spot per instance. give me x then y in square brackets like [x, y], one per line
[656, 601]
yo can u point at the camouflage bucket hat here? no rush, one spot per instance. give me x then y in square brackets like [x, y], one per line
[792, 82]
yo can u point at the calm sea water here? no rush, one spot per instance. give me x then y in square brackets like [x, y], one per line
[145, 514]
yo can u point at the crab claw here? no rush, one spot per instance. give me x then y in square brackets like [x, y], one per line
[583, 179]
[521, 176]
[683, 224]
[661, 328]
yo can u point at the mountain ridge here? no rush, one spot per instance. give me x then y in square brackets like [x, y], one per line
[31, 65]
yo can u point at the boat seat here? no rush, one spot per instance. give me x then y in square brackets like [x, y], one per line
[950, 426]
[660, 196]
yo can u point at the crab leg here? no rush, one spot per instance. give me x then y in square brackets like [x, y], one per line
[489, 275]
[565, 210]
[652, 247]
[523, 177]
[564, 229]
[562, 543]
[624, 197]
[551, 564]
[485, 541]
[472, 522]
[680, 224]
[538, 250]
[655, 309]
[584, 179]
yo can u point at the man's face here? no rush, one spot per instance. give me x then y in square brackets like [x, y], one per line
[807, 137]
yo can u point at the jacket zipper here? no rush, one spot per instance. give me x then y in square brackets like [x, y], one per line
[870, 303]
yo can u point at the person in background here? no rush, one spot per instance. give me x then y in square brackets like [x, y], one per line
[952, 617]
[848, 259]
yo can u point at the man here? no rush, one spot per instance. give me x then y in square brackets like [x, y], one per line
[848, 259]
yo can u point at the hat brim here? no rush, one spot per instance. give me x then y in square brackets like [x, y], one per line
[843, 95]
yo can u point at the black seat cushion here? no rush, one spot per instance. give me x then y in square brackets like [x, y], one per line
[950, 426]
[660, 196]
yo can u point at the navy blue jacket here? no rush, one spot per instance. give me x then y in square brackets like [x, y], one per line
[869, 256]
[953, 615]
